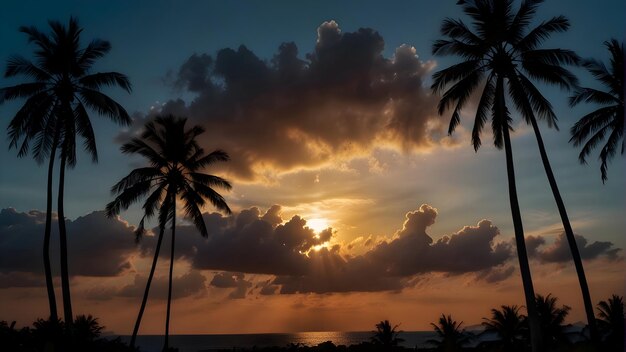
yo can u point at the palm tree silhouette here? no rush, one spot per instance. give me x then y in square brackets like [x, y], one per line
[552, 319]
[592, 128]
[176, 161]
[611, 322]
[509, 325]
[505, 50]
[450, 335]
[386, 334]
[62, 89]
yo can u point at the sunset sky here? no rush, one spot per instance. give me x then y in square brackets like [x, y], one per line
[350, 206]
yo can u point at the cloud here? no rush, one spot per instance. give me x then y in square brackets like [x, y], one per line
[97, 246]
[559, 251]
[304, 261]
[392, 265]
[188, 284]
[232, 280]
[294, 257]
[21, 279]
[292, 112]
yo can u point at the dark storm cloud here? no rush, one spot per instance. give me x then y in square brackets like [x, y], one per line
[296, 258]
[21, 279]
[559, 251]
[235, 281]
[294, 111]
[303, 261]
[391, 265]
[97, 246]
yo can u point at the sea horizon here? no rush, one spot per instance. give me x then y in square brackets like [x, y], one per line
[205, 342]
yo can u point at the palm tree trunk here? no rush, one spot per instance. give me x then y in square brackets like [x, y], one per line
[529, 292]
[169, 288]
[52, 301]
[569, 234]
[65, 279]
[147, 290]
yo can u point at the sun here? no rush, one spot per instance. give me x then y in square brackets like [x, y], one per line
[317, 224]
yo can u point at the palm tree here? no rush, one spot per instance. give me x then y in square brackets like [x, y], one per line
[552, 320]
[502, 48]
[450, 335]
[611, 321]
[176, 161]
[62, 89]
[509, 325]
[386, 334]
[592, 128]
[86, 329]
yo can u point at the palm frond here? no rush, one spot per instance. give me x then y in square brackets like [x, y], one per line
[551, 74]
[540, 33]
[93, 51]
[540, 104]
[460, 91]
[209, 180]
[485, 102]
[590, 95]
[24, 90]
[552, 56]
[138, 146]
[443, 47]
[458, 30]
[138, 175]
[522, 19]
[128, 196]
[609, 150]
[211, 158]
[453, 73]
[105, 79]
[104, 105]
[17, 65]
[192, 203]
[214, 198]
[592, 122]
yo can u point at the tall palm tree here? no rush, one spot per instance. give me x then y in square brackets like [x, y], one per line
[592, 128]
[510, 327]
[502, 49]
[611, 321]
[386, 334]
[451, 337]
[176, 161]
[552, 320]
[61, 89]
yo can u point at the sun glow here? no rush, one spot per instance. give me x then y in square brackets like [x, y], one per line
[317, 224]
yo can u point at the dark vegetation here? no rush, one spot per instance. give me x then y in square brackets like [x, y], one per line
[506, 330]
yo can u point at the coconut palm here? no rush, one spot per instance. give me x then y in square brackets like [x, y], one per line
[61, 89]
[386, 334]
[451, 337]
[509, 325]
[502, 54]
[592, 128]
[552, 320]
[611, 321]
[176, 161]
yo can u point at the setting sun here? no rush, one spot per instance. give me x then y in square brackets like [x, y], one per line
[317, 224]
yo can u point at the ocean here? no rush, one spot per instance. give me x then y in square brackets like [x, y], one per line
[197, 343]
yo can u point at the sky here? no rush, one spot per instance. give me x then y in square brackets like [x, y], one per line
[350, 205]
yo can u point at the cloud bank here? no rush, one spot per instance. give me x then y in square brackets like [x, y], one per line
[262, 253]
